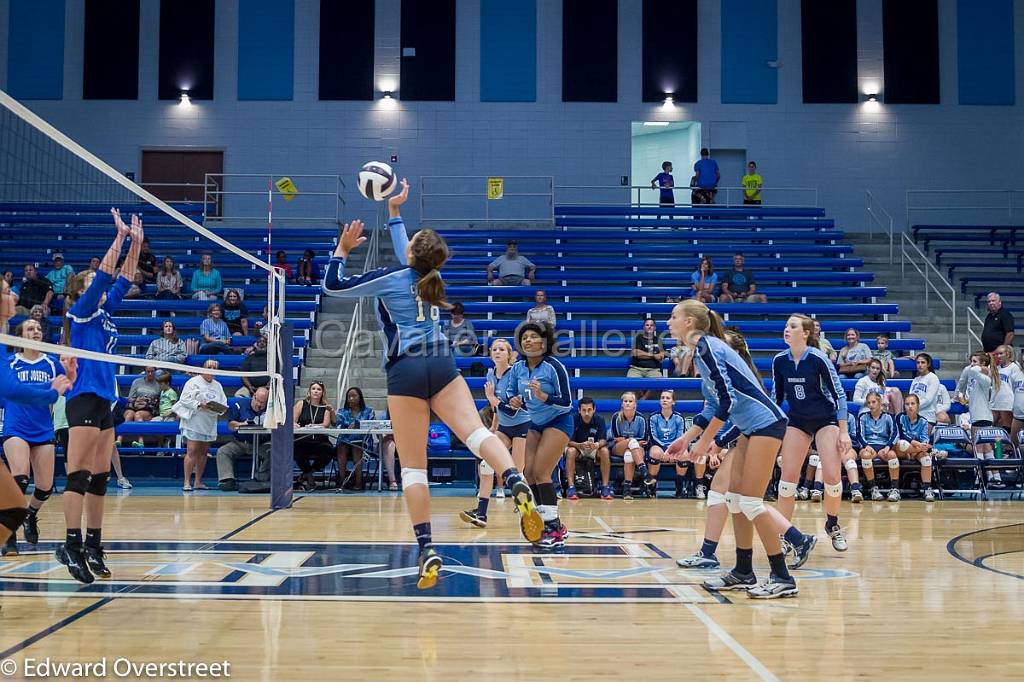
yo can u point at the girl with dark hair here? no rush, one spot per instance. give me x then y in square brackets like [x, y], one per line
[926, 387]
[307, 271]
[351, 446]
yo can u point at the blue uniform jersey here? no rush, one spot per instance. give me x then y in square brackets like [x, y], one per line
[500, 385]
[31, 423]
[407, 321]
[810, 385]
[13, 391]
[851, 420]
[665, 430]
[911, 431]
[878, 433]
[732, 389]
[554, 381]
[93, 328]
[629, 428]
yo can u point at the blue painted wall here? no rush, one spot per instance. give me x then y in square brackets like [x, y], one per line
[266, 49]
[35, 49]
[750, 39]
[508, 51]
[985, 63]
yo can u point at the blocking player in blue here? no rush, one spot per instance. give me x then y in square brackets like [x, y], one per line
[421, 372]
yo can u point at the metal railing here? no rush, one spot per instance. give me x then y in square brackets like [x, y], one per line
[253, 198]
[355, 327]
[933, 277]
[877, 215]
[965, 206]
[465, 199]
[643, 195]
[971, 336]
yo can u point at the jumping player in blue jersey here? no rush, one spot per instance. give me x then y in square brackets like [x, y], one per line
[805, 378]
[421, 372]
[737, 394]
[91, 299]
[540, 383]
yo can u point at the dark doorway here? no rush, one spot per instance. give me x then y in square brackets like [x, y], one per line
[176, 176]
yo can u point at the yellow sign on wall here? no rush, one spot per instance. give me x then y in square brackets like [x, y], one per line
[495, 188]
[287, 188]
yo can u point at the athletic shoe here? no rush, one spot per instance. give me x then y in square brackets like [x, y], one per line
[731, 580]
[929, 496]
[816, 495]
[876, 495]
[74, 559]
[530, 523]
[498, 492]
[678, 495]
[856, 496]
[651, 489]
[94, 559]
[996, 484]
[554, 537]
[124, 483]
[698, 560]
[10, 547]
[774, 588]
[894, 495]
[471, 517]
[802, 493]
[838, 539]
[571, 494]
[606, 493]
[430, 564]
[702, 491]
[802, 552]
[31, 529]
[627, 492]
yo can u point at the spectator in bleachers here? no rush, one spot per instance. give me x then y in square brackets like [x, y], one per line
[308, 272]
[260, 323]
[884, 356]
[460, 332]
[513, 268]
[147, 262]
[94, 265]
[647, 356]
[255, 360]
[201, 398]
[6, 305]
[704, 280]
[168, 280]
[824, 344]
[696, 196]
[58, 277]
[708, 175]
[167, 348]
[874, 382]
[312, 452]
[143, 397]
[215, 332]
[32, 290]
[352, 446]
[282, 265]
[739, 285]
[752, 184]
[206, 281]
[236, 315]
[138, 287]
[38, 313]
[682, 361]
[926, 386]
[588, 442]
[542, 311]
[168, 396]
[243, 413]
[664, 182]
[854, 357]
[9, 278]
[999, 324]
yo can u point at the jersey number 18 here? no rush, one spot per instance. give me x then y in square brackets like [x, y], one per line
[435, 313]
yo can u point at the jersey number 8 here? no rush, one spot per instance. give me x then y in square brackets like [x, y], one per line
[799, 390]
[435, 312]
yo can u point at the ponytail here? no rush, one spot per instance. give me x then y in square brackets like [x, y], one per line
[429, 252]
[715, 326]
[738, 343]
[73, 289]
[430, 288]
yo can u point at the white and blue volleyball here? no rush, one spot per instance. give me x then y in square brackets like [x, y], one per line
[376, 181]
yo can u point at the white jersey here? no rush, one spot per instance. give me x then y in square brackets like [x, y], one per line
[1016, 382]
[1002, 399]
[976, 384]
[926, 388]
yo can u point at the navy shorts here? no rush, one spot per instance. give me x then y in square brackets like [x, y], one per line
[421, 376]
[564, 423]
[775, 430]
[812, 426]
[517, 431]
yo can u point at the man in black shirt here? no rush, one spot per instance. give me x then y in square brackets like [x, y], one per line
[33, 290]
[740, 285]
[648, 354]
[998, 325]
[589, 442]
[255, 361]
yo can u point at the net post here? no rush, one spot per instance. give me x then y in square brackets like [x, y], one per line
[282, 439]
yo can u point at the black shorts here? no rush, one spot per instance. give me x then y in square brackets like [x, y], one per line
[774, 430]
[421, 375]
[61, 435]
[517, 431]
[89, 409]
[981, 423]
[812, 426]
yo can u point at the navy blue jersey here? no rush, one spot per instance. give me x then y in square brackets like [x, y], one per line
[93, 328]
[732, 391]
[665, 430]
[629, 428]
[851, 420]
[726, 435]
[31, 423]
[500, 385]
[810, 385]
[554, 382]
[584, 431]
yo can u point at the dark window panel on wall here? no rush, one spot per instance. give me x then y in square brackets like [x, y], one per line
[346, 50]
[590, 50]
[828, 32]
[670, 50]
[910, 44]
[186, 48]
[111, 54]
[428, 50]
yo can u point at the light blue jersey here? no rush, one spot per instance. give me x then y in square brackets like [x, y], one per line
[665, 430]
[554, 381]
[878, 433]
[500, 385]
[733, 392]
[31, 423]
[93, 328]
[628, 428]
[911, 431]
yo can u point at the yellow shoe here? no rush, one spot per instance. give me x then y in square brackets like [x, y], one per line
[430, 565]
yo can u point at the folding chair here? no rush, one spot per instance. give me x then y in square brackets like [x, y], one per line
[1007, 460]
[956, 465]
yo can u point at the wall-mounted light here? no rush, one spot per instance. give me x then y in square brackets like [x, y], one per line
[873, 97]
[668, 100]
[387, 94]
[184, 100]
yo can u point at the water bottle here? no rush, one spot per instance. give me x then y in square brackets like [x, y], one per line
[999, 449]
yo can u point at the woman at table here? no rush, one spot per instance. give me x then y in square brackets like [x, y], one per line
[312, 451]
[352, 446]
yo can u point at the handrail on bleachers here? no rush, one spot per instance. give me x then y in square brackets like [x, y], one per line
[626, 209]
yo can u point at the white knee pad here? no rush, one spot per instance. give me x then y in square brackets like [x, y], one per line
[787, 489]
[867, 464]
[477, 438]
[627, 456]
[893, 463]
[851, 464]
[926, 461]
[732, 501]
[904, 445]
[834, 490]
[715, 498]
[411, 477]
[814, 461]
[752, 507]
[485, 469]
[633, 444]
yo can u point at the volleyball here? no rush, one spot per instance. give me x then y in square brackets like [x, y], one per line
[376, 181]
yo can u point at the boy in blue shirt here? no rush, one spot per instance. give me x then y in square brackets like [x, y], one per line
[664, 181]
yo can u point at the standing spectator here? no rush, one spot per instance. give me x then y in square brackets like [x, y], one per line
[752, 184]
[355, 411]
[235, 313]
[59, 278]
[143, 397]
[243, 413]
[206, 282]
[542, 312]
[201, 400]
[999, 323]
[33, 290]
[168, 280]
[282, 265]
[167, 348]
[648, 353]
[216, 336]
[664, 181]
[460, 332]
[824, 344]
[308, 271]
[704, 280]
[255, 360]
[739, 284]
[696, 196]
[885, 357]
[708, 176]
[147, 262]
[513, 269]
[854, 357]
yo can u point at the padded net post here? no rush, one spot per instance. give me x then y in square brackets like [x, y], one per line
[282, 438]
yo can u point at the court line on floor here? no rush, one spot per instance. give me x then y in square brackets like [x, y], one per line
[718, 631]
[979, 561]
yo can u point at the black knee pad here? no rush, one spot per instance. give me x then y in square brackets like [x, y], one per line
[98, 484]
[78, 482]
[42, 495]
[22, 482]
[12, 518]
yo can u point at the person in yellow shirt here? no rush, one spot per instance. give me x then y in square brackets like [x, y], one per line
[752, 184]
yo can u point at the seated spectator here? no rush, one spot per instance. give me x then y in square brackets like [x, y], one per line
[7, 300]
[884, 356]
[460, 333]
[235, 313]
[629, 441]
[682, 361]
[854, 357]
[260, 323]
[168, 396]
[216, 336]
[255, 360]
[388, 452]
[513, 269]
[740, 285]
[542, 312]
[206, 281]
[824, 344]
[589, 444]
[648, 353]
[32, 290]
[168, 348]
[244, 413]
[147, 262]
[199, 422]
[138, 287]
[9, 278]
[143, 397]
[704, 281]
[58, 279]
[354, 411]
[308, 272]
[94, 265]
[38, 313]
[282, 265]
[752, 184]
[874, 382]
[312, 452]
[708, 174]
[168, 280]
